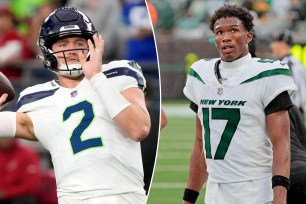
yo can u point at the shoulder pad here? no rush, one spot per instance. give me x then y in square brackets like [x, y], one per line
[126, 69]
[134, 64]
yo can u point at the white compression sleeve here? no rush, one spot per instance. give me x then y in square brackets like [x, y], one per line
[7, 124]
[110, 96]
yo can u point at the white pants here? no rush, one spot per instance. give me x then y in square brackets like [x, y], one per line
[128, 198]
[251, 192]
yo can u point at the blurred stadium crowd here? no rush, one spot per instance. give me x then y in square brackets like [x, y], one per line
[187, 19]
[182, 26]
[127, 31]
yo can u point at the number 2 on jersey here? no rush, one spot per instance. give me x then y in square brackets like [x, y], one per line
[77, 143]
[233, 117]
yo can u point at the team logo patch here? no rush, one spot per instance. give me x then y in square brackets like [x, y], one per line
[220, 91]
[74, 93]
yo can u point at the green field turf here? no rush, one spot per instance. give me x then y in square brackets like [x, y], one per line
[176, 141]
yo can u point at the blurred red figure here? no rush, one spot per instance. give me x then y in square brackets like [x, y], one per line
[47, 192]
[13, 47]
[20, 173]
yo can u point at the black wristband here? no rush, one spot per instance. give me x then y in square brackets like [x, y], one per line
[280, 181]
[190, 195]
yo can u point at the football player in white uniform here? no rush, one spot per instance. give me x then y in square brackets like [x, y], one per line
[91, 118]
[242, 144]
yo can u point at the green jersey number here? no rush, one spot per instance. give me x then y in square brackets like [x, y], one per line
[233, 117]
[76, 141]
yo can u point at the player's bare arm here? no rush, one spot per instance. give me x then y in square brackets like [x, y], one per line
[197, 170]
[24, 126]
[279, 131]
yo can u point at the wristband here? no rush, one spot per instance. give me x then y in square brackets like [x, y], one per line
[113, 101]
[280, 181]
[7, 124]
[190, 195]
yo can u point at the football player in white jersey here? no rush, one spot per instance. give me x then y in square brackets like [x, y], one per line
[91, 118]
[242, 144]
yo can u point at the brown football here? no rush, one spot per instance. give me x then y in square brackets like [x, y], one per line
[6, 87]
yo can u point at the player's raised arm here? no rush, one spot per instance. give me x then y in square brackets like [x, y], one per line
[15, 124]
[128, 109]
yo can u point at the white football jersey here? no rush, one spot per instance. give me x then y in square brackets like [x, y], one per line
[91, 156]
[235, 140]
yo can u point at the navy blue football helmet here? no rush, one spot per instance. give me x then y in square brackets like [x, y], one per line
[63, 22]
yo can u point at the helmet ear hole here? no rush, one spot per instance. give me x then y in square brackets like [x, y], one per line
[50, 62]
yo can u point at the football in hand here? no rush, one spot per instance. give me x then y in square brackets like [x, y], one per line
[6, 87]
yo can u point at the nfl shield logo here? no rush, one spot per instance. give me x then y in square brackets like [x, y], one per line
[220, 91]
[74, 93]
